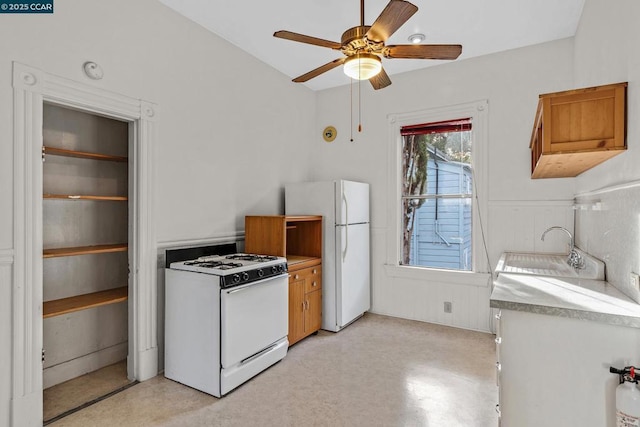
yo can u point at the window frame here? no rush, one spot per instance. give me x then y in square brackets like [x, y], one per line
[478, 112]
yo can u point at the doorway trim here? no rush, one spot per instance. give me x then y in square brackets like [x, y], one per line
[31, 89]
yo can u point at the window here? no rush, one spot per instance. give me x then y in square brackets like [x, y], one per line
[437, 166]
[437, 191]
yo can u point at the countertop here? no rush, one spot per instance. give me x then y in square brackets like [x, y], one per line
[576, 298]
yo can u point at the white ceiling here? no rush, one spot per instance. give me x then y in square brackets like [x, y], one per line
[480, 26]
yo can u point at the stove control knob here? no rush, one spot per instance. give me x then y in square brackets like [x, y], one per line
[280, 268]
[260, 273]
[245, 276]
[235, 278]
[274, 269]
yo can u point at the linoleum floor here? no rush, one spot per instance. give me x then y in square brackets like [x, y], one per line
[73, 393]
[379, 371]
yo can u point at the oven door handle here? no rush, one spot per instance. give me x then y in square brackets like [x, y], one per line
[250, 285]
[233, 291]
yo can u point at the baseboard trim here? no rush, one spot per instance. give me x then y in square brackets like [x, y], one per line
[147, 364]
[74, 368]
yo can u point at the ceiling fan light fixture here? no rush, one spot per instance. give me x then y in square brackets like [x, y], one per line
[416, 38]
[362, 66]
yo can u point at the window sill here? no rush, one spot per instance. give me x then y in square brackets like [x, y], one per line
[468, 278]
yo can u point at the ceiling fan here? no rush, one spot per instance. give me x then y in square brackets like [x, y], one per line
[364, 46]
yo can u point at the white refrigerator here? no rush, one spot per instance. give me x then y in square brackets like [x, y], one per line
[346, 277]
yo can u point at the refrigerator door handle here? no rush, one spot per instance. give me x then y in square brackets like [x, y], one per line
[346, 241]
[346, 221]
[346, 204]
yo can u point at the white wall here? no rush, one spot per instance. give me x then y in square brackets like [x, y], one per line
[511, 82]
[611, 232]
[606, 51]
[225, 119]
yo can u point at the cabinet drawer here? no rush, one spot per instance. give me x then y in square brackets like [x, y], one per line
[312, 277]
[313, 284]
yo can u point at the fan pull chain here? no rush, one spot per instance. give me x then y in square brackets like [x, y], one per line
[359, 108]
[351, 109]
[359, 99]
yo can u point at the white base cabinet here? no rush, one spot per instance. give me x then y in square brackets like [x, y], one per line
[554, 371]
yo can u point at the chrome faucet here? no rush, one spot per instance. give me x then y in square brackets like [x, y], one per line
[575, 260]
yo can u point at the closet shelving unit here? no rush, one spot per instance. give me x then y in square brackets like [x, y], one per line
[94, 299]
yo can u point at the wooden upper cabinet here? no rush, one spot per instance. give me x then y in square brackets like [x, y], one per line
[578, 129]
[296, 237]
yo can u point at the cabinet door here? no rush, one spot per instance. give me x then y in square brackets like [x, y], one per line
[296, 308]
[313, 314]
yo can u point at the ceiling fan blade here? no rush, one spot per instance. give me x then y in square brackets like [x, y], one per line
[322, 69]
[392, 17]
[380, 80]
[423, 51]
[306, 39]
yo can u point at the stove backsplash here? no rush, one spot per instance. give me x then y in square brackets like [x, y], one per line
[607, 226]
[184, 254]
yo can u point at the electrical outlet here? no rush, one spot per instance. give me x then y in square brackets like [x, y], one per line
[447, 307]
[634, 281]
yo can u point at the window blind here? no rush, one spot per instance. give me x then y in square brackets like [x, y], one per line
[457, 125]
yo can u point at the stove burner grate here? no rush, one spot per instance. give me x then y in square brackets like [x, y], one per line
[229, 265]
[206, 264]
[249, 257]
[214, 264]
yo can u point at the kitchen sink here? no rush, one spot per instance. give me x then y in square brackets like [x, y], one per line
[543, 264]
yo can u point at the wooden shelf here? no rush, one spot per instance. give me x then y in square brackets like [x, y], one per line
[301, 218]
[85, 197]
[83, 154]
[296, 262]
[84, 250]
[83, 302]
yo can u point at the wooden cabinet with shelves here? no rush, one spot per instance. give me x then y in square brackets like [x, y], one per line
[85, 234]
[94, 299]
[578, 129]
[299, 239]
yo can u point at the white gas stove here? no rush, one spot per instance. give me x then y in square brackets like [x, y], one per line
[226, 319]
[235, 269]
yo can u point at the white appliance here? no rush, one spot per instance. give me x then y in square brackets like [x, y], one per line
[345, 265]
[226, 319]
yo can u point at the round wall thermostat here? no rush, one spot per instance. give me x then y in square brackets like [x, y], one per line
[329, 133]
